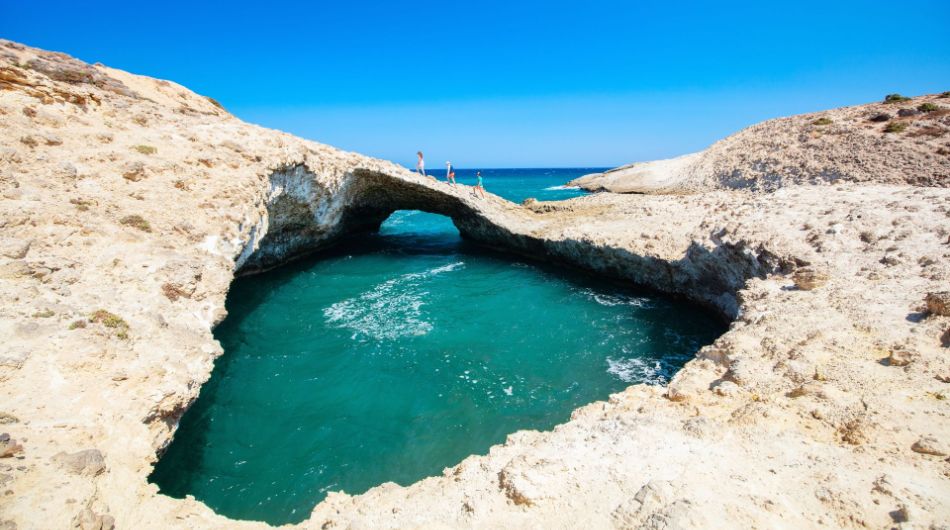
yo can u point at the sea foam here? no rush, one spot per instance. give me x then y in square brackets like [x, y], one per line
[389, 310]
[635, 370]
[612, 300]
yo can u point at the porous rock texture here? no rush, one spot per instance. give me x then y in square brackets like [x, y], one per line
[129, 204]
[900, 141]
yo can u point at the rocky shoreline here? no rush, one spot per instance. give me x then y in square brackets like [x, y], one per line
[130, 203]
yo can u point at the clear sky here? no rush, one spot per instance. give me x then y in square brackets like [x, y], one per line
[510, 83]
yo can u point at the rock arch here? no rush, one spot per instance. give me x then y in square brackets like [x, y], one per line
[304, 211]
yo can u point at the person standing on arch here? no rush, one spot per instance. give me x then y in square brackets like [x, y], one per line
[420, 164]
[479, 189]
[450, 173]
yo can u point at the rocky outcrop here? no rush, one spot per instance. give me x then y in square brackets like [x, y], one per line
[126, 214]
[865, 143]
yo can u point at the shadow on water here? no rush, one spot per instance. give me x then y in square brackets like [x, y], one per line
[288, 497]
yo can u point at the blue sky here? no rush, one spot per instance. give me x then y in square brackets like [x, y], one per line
[506, 84]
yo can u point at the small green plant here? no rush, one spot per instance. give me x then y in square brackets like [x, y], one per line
[111, 321]
[822, 121]
[927, 107]
[77, 324]
[945, 94]
[136, 221]
[145, 149]
[107, 319]
[46, 313]
[895, 98]
[895, 127]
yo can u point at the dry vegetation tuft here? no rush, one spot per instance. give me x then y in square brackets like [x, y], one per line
[145, 149]
[136, 221]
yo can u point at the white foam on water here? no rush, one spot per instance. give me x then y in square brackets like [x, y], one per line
[636, 370]
[563, 187]
[399, 217]
[388, 311]
[613, 300]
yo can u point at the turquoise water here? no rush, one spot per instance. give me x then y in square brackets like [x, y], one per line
[396, 355]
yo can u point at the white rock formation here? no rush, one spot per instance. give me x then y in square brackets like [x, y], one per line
[887, 142]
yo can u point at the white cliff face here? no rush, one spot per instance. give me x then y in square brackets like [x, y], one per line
[300, 214]
[129, 204]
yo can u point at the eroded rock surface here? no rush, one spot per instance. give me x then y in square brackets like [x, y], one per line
[796, 417]
[864, 143]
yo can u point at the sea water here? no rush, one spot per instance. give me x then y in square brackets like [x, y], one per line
[395, 355]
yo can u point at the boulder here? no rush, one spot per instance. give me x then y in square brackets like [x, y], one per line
[15, 248]
[88, 462]
[928, 445]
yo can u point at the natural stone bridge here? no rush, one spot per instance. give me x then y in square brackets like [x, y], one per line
[304, 213]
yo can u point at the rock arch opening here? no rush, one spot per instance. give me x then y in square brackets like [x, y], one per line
[301, 214]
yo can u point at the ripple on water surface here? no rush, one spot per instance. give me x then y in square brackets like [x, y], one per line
[399, 355]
